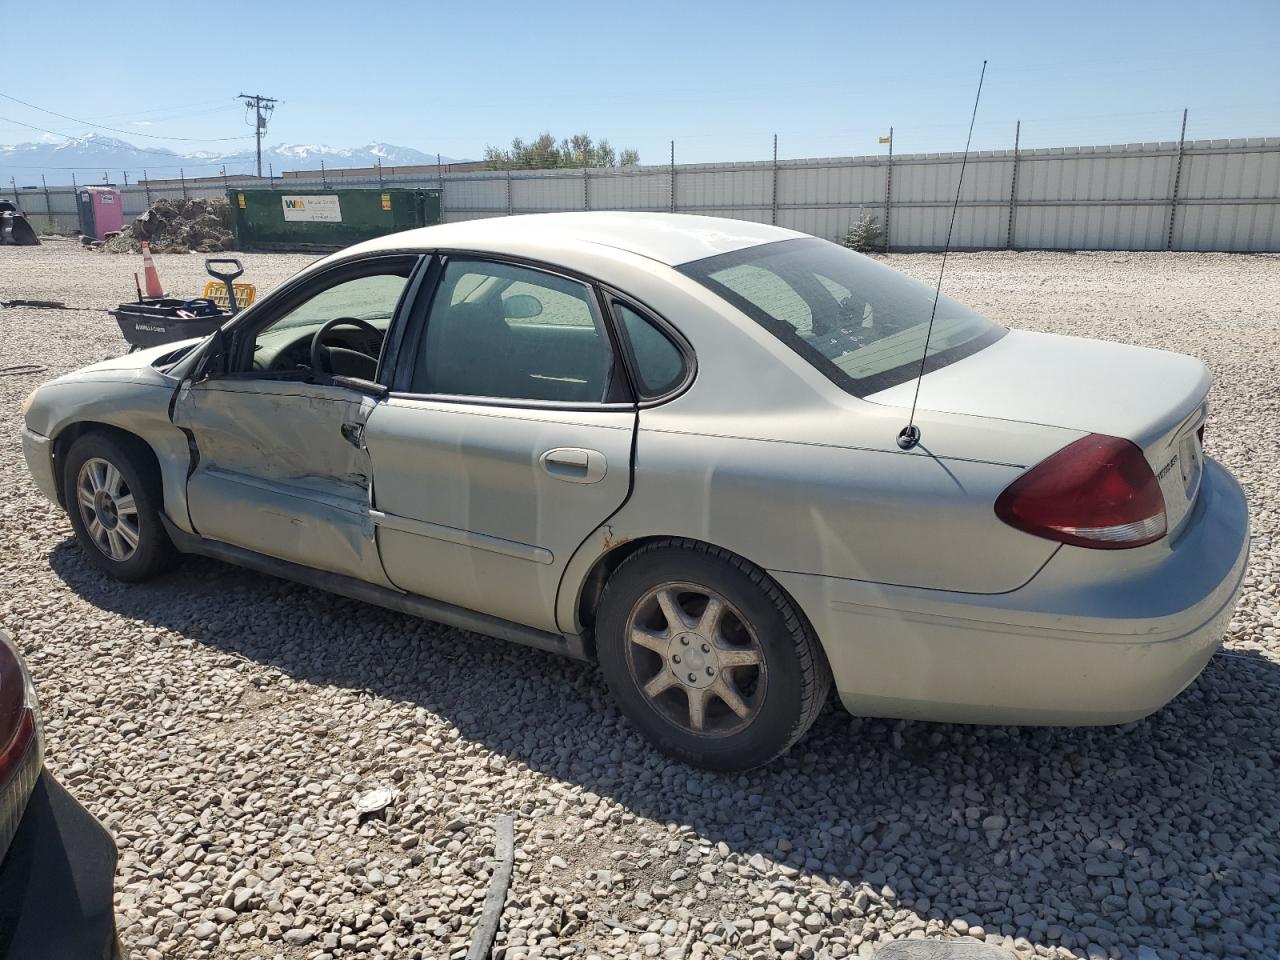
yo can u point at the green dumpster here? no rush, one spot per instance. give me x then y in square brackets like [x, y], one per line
[323, 220]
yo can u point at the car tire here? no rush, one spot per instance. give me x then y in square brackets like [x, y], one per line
[113, 498]
[708, 657]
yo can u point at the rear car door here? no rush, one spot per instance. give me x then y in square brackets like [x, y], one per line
[506, 440]
[280, 467]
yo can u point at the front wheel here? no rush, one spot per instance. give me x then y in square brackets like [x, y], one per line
[708, 657]
[113, 500]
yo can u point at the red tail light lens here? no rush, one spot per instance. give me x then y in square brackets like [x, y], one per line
[1098, 492]
[21, 746]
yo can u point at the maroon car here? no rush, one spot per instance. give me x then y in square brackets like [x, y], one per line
[57, 863]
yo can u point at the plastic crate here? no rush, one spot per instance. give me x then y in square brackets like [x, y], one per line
[246, 293]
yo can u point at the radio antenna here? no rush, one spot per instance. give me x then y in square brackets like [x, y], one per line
[909, 436]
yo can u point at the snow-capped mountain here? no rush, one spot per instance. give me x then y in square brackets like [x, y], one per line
[311, 154]
[92, 156]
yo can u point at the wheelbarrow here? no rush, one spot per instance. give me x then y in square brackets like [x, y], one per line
[153, 321]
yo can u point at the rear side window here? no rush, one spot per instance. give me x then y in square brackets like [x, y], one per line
[510, 332]
[659, 363]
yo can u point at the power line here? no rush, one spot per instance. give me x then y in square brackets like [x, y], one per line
[169, 109]
[99, 126]
[258, 102]
[64, 136]
[226, 108]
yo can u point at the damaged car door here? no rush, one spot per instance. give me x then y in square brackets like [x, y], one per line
[279, 463]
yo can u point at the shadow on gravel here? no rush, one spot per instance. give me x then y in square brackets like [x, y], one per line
[1160, 833]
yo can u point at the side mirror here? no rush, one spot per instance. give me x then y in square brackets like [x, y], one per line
[521, 306]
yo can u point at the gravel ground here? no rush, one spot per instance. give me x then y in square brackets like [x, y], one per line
[221, 724]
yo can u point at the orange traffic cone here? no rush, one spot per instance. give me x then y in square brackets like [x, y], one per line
[149, 272]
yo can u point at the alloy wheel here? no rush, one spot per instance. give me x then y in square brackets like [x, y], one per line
[696, 659]
[108, 509]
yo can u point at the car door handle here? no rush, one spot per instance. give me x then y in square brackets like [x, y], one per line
[575, 464]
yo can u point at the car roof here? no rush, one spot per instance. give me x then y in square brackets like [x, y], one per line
[670, 238]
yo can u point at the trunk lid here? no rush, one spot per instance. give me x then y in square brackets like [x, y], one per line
[1154, 398]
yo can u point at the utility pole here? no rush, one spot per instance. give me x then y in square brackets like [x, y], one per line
[263, 107]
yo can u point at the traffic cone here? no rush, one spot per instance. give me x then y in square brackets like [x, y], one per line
[149, 272]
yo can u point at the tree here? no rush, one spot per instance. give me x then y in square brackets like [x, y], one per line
[544, 153]
[863, 235]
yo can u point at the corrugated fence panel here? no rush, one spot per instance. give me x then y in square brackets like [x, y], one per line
[1122, 195]
[924, 192]
[732, 213]
[550, 192]
[925, 227]
[452, 216]
[1234, 172]
[934, 181]
[627, 190]
[1235, 227]
[1069, 226]
[476, 194]
[830, 223]
[1241, 174]
[701, 190]
[1091, 197]
[63, 203]
[828, 182]
[32, 202]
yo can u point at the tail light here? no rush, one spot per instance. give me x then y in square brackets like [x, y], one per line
[21, 741]
[1098, 492]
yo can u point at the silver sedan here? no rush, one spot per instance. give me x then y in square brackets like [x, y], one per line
[670, 443]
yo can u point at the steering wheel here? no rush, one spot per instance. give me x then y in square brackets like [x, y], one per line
[320, 354]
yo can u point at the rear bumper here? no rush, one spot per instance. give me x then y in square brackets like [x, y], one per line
[1096, 637]
[38, 451]
[56, 882]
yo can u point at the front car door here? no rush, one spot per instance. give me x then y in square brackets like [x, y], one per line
[506, 440]
[280, 466]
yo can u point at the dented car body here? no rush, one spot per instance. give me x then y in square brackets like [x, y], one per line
[483, 422]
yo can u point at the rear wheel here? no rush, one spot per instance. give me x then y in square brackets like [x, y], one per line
[708, 657]
[113, 500]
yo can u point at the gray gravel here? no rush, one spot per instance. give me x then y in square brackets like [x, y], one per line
[225, 726]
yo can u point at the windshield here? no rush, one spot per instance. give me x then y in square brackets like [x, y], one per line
[859, 322]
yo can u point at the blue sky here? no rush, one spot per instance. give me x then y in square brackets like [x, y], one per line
[719, 78]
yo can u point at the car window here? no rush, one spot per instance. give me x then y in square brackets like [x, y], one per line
[769, 291]
[469, 285]
[366, 298]
[285, 343]
[859, 322]
[514, 333]
[659, 362]
[555, 306]
[848, 302]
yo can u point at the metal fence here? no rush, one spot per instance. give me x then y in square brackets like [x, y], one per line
[1188, 195]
